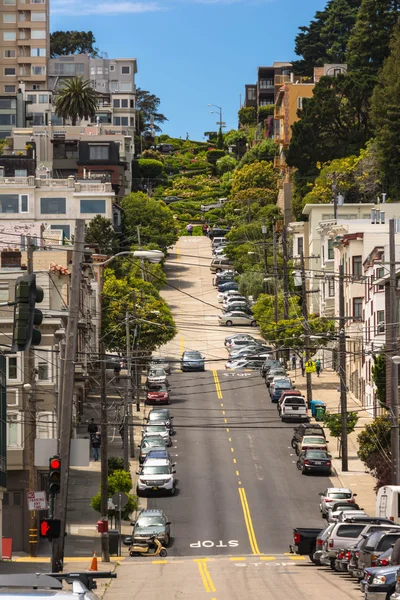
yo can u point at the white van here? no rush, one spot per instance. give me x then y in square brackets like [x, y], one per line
[388, 502]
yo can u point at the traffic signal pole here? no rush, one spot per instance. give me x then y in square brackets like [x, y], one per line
[67, 399]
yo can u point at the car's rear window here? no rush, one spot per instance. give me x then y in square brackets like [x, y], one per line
[349, 531]
[316, 454]
[339, 495]
[294, 401]
[309, 439]
[387, 541]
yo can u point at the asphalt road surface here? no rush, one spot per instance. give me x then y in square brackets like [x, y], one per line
[238, 490]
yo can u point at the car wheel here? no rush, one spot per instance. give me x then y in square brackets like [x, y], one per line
[163, 553]
[172, 491]
[254, 324]
[332, 561]
[293, 444]
[304, 472]
[138, 492]
[229, 323]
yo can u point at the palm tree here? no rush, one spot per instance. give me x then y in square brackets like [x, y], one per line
[76, 100]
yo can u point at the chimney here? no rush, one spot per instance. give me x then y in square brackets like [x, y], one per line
[373, 216]
[384, 197]
[382, 217]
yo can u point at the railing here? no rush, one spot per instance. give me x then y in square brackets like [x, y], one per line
[20, 181]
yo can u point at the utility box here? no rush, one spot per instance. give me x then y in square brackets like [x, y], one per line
[102, 526]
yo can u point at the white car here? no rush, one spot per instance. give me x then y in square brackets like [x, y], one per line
[236, 318]
[231, 299]
[156, 475]
[334, 495]
[244, 363]
[158, 428]
[229, 294]
[157, 376]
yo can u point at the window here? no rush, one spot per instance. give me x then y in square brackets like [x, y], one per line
[331, 287]
[9, 71]
[300, 103]
[357, 308]
[357, 266]
[37, 118]
[266, 84]
[117, 121]
[9, 203]
[125, 86]
[300, 245]
[116, 103]
[349, 531]
[124, 121]
[99, 152]
[43, 99]
[14, 430]
[53, 206]
[43, 371]
[95, 207]
[9, 2]
[331, 255]
[9, 18]
[125, 70]
[38, 34]
[112, 67]
[7, 119]
[9, 36]
[12, 371]
[114, 86]
[22, 173]
[66, 229]
[4, 292]
[36, 86]
[380, 321]
[9, 89]
[99, 70]
[45, 425]
[266, 102]
[124, 103]
[378, 274]
[131, 103]
[9, 53]
[93, 70]
[38, 16]
[38, 51]
[251, 93]
[24, 197]
[38, 70]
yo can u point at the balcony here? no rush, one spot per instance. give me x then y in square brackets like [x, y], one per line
[282, 79]
[279, 112]
[279, 162]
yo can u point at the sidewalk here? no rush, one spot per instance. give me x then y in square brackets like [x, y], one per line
[325, 388]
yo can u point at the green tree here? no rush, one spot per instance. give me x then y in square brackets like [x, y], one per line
[147, 105]
[259, 174]
[156, 220]
[333, 421]
[100, 231]
[226, 164]
[374, 450]
[251, 284]
[220, 139]
[379, 377]
[369, 41]
[265, 150]
[65, 43]
[118, 481]
[151, 168]
[289, 333]
[386, 117]
[335, 123]
[247, 115]
[264, 307]
[76, 99]
[235, 138]
[265, 111]
[151, 320]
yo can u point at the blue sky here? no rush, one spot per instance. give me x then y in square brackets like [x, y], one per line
[192, 52]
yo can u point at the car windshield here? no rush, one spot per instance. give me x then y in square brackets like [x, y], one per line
[285, 385]
[316, 454]
[339, 495]
[192, 355]
[155, 442]
[157, 373]
[150, 521]
[156, 428]
[158, 415]
[158, 388]
[313, 440]
[155, 470]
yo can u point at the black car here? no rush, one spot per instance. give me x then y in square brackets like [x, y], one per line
[217, 232]
[306, 429]
[241, 306]
[268, 364]
[192, 360]
[314, 461]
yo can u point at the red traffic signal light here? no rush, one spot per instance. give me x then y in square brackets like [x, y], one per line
[54, 475]
[50, 528]
[55, 463]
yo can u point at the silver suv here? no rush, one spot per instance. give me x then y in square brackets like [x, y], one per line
[27, 586]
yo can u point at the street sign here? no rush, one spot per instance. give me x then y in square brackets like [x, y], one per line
[110, 504]
[120, 499]
[310, 366]
[50, 528]
[37, 501]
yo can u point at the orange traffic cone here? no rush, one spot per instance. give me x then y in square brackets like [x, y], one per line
[93, 564]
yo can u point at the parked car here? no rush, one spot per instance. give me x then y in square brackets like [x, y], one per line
[286, 394]
[218, 241]
[241, 339]
[156, 476]
[237, 306]
[218, 204]
[303, 429]
[171, 199]
[315, 461]
[278, 386]
[152, 522]
[218, 232]
[160, 414]
[157, 419]
[222, 296]
[160, 454]
[165, 148]
[312, 442]
[158, 362]
[156, 376]
[150, 442]
[274, 372]
[248, 350]
[192, 360]
[304, 540]
[336, 509]
[158, 429]
[294, 408]
[236, 318]
[376, 544]
[228, 300]
[268, 364]
[319, 544]
[226, 276]
[227, 286]
[220, 264]
[157, 393]
[380, 583]
[245, 363]
[331, 495]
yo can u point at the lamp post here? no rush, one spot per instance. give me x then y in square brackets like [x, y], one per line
[220, 122]
[394, 409]
[264, 233]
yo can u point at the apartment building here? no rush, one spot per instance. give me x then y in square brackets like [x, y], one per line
[24, 45]
[263, 92]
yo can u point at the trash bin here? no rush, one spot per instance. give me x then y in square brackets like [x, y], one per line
[320, 412]
[314, 404]
[113, 541]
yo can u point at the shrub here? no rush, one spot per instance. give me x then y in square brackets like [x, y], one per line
[225, 164]
[115, 463]
[151, 168]
[118, 481]
[214, 155]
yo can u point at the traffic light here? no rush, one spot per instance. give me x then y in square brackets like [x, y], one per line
[50, 528]
[54, 475]
[26, 316]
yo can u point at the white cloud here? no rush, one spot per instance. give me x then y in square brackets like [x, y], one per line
[73, 7]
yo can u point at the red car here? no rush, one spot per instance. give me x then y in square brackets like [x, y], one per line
[158, 393]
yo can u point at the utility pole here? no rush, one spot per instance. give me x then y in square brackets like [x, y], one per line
[264, 232]
[128, 393]
[394, 393]
[140, 248]
[285, 274]
[306, 327]
[276, 306]
[335, 197]
[30, 419]
[342, 369]
[68, 391]
[105, 554]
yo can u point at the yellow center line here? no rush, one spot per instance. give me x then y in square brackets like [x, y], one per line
[205, 575]
[222, 403]
[227, 428]
[232, 450]
[223, 412]
[234, 460]
[237, 473]
[181, 344]
[178, 252]
[248, 522]
[217, 385]
[225, 421]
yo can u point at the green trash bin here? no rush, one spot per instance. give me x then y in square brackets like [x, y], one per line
[320, 412]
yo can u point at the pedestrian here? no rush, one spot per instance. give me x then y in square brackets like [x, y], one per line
[318, 366]
[92, 429]
[96, 443]
[117, 369]
[205, 229]
[301, 364]
[294, 361]
[122, 432]
[189, 228]
[208, 230]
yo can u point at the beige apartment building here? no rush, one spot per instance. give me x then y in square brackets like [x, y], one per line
[24, 44]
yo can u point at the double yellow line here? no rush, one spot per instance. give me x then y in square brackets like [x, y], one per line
[249, 523]
[205, 575]
[217, 385]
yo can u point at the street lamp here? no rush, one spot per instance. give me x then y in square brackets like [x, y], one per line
[220, 122]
